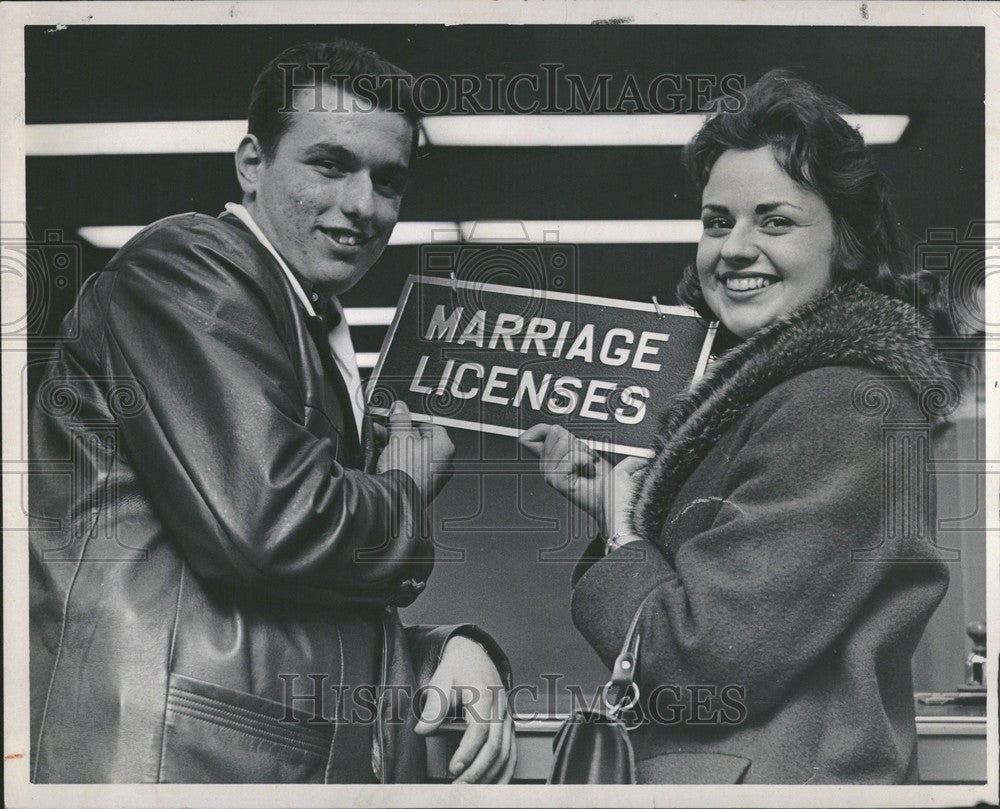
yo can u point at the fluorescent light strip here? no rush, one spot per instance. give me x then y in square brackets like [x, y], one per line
[607, 130]
[140, 137]
[408, 233]
[369, 315]
[367, 359]
[879, 130]
[583, 231]
[153, 137]
[561, 130]
[111, 237]
[586, 231]
[201, 137]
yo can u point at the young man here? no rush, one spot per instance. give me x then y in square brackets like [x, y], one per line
[214, 593]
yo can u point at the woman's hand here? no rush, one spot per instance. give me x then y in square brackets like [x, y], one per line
[583, 477]
[570, 467]
[618, 503]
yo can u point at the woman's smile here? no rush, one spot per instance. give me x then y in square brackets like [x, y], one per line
[767, 244]
[742, 286]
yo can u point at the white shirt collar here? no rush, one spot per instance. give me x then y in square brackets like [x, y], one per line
[339, 339]
[243, 215]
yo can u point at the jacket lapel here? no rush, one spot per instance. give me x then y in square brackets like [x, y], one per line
[368, 443]
[318, 332]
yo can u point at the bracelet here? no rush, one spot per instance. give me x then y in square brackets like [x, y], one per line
[612, 543]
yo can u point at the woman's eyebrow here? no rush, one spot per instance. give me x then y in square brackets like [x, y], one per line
[764, 207]
[767, 207]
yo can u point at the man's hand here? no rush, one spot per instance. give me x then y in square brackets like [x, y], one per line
[487, 752]
[423, 451]
[570, 467]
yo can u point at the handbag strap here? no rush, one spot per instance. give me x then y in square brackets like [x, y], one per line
[623, 673]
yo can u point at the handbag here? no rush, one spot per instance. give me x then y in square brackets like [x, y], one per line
[592, 746]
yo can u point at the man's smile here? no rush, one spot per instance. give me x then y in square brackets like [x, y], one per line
[347, 237]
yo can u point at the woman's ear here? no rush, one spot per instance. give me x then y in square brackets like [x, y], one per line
[249, 161]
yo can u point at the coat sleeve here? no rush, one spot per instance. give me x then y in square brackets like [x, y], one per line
[253, 498]
[771, 584]
[427, 641]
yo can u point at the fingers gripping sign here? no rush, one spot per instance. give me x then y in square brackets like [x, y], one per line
[423, 451]
[569, 466]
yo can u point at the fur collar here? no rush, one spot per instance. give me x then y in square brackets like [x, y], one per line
[850, 325]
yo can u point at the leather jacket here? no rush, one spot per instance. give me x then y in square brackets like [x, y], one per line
[208, 538]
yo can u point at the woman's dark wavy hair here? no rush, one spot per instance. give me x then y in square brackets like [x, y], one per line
[818, 149]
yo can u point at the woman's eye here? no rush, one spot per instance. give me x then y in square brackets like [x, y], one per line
[777, 222]
[716, 223]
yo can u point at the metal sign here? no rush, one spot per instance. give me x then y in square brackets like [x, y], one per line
[483, 356]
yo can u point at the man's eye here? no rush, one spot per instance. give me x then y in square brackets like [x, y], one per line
[393, 185]
[330, 166]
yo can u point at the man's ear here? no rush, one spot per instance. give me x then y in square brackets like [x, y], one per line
[249, 159]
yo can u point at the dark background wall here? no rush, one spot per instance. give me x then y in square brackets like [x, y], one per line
[496, 524]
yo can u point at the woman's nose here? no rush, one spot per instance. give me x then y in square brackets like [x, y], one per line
[358, 197]
[739, 247]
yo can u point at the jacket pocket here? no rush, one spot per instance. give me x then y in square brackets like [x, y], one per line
[216, 735]
[692, 768]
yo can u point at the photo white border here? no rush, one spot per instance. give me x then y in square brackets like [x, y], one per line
[18, 792]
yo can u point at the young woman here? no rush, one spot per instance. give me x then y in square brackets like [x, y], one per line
[778, 549]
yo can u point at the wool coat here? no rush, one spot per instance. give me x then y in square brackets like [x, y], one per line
[788, 565]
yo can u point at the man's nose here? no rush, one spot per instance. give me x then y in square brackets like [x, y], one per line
[358, 197]
[739, 247]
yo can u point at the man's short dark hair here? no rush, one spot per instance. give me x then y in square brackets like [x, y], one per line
[353, 67]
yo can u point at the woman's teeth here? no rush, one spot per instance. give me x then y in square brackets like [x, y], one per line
[745, 284]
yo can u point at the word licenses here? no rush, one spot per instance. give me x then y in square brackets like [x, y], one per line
[504, 358]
